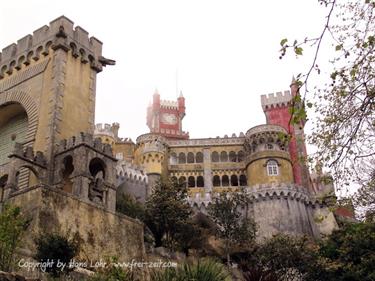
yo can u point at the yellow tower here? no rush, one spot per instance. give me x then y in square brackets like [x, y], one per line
[268, 159]
[150, 154]
[47, 89]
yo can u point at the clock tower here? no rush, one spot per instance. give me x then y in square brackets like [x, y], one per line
[165, 117]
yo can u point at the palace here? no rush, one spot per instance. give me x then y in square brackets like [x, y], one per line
[267, 162]
[66, 172]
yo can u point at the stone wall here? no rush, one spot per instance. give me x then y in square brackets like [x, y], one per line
[103, 234]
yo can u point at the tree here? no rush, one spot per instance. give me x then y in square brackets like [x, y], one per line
[126, 205]
[344, 131]
[232, 227]
[349, 253]
[12, 227]
[60, 250]
[167, 210]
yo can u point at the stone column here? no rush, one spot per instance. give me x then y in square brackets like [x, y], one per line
[207, 169]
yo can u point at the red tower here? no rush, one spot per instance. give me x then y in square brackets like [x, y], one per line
[277, 110]
[165, 117]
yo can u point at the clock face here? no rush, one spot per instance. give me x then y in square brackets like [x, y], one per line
[169, 118]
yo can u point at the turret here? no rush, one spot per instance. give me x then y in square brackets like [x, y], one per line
[268, 160]
[181, 105]
[150, 154]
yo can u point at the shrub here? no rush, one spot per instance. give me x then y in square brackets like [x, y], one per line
[57, 248]
[12, 227]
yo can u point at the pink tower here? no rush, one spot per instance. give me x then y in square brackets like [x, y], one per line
[164, 117]
[277, 109]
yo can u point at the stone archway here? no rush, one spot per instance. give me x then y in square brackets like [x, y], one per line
[28, 104]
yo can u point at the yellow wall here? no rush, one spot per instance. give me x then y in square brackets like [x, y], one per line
[257, 172]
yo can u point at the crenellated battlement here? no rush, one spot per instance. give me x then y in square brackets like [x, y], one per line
[84, 139]
[107, 129]
[27, 154]
[60, 34]
[276, 100]
[261, 192]
[129, 172]
[168, 104]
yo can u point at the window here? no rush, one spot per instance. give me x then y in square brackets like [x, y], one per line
[199, 157]
[191, 181]
[215, 157]
[216, 181]
[224, 156]
[243, 180]
[181, 158]
[200, 181]
[233, 180]
[225, 180]
[272, 168]
[190, 157]
[232, 156]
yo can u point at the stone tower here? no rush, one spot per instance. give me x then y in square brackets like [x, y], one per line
[50, 164]
[277, 110]
[47, 89]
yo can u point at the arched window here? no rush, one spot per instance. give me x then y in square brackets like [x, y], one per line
[97, 168]
[3, 182]
[215, 157]
[224, 156]
[174, 179]
[182, 181]
[200, 181]
[181, 158]
[216, 181]
[190, 157]
[199, 157]
[233, 180]
[240, 156]
[13, 128]
[191, 181]
[225, 180]
[232, 156]
[66, 172]
[272, 168]
[243, 180]
[173, 158]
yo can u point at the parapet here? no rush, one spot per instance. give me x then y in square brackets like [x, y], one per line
[278, 100]
[59, 34]
[169, 104]
[87, 140]
[28, 154]
[105, 129]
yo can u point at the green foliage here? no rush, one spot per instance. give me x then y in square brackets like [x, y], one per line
[281, 257]
[343, 130]
[167, 211]
[57, 248]
[126, 205]
[201, 270]
[12, 227]
[349, 253]
[232, 227]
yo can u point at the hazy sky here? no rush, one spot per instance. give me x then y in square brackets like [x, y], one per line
[226, 54]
